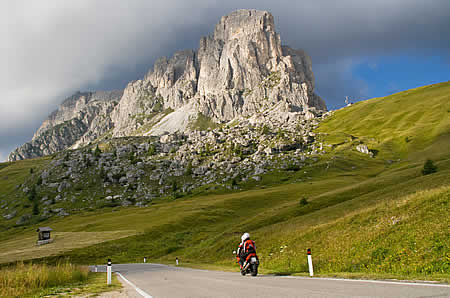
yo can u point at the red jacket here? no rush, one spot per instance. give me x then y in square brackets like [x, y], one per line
[248, 248]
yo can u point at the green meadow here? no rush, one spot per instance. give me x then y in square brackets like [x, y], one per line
[362, 216]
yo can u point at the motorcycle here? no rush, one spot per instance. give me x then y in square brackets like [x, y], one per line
[250, 266]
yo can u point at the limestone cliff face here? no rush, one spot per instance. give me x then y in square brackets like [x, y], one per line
[240, 70]
[81, 118]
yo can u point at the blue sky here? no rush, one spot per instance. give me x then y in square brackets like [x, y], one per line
[386, 75]
[359, 48]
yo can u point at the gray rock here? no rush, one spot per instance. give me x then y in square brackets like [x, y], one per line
[10, 215]
[63, 213]
[23, 219]
[45, 175]
[363, 149]
[256, 178]
[126, 203]
[268, 151]
[64, 185]
[47, 203]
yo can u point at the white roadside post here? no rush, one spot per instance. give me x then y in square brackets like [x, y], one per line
[311, 270]
[108, 272]
[96, 269]
[176, 261]
[145, 259]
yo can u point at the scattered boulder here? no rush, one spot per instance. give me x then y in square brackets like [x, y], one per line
[364, 149]
[64, 185]
[10, 215]
[23, 219]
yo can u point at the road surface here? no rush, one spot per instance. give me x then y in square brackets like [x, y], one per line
[161, 281]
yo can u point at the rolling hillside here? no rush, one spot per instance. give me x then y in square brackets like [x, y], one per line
[373, 216]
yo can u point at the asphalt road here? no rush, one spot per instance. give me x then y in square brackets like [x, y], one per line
[160, 281]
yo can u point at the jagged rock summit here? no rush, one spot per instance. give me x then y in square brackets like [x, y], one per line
[242, 70]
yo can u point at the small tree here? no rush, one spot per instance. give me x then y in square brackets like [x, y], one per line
[151, 150]
[189, 169]
[35, 207]
[174, 186]
[32, 194]
[103, 174]
[303, 201]
[97, 151]
[429, 167]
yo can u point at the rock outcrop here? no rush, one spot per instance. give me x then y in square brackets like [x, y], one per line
[239, 71]
[242, 70]
[81, 118]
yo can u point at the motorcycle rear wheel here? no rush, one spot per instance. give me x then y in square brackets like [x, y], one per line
[254, 269]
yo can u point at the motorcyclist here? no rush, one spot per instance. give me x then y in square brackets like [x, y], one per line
[246, 250]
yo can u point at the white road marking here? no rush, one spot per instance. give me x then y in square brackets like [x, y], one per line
[372, 281]
[136, 288]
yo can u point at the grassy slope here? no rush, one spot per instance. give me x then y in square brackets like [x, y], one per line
[364, 215]
[13, 175]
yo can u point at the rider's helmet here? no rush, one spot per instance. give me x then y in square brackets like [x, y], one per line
[245, 236]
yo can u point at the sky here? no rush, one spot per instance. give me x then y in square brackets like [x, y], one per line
[359, 48]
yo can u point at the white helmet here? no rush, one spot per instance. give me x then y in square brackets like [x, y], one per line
[245, 236]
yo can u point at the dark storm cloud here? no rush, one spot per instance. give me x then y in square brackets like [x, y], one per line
[51, 49]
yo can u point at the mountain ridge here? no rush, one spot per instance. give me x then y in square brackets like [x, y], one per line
[239, 71]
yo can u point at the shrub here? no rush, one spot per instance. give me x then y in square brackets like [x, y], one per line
[174, 186]
[103, 174]
[32, 194]
[35, 207]
[189, 169]
[292, 167]
[97, 151]
[429, 167]
[303, 201]
[151, 150]
[31, 170]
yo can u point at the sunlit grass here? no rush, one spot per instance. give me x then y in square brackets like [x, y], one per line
[22, 280]
[361, 216]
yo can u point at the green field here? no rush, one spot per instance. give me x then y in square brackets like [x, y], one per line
[362, 216]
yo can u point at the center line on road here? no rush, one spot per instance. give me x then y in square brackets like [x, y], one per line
[136, 288]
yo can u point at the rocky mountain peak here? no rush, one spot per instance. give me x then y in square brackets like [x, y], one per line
[240, 71]
[244, 22]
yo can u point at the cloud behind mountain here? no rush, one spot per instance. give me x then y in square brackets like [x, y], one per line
[53, 49]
